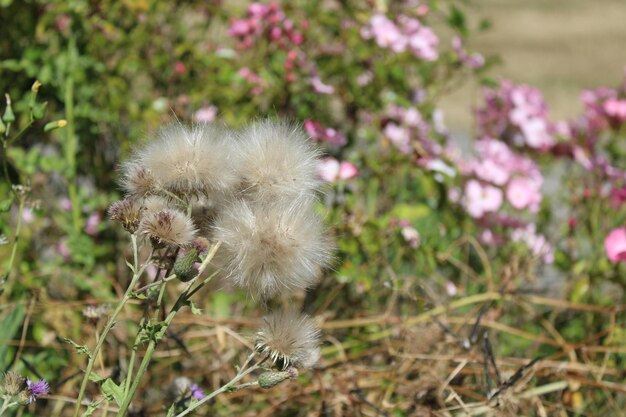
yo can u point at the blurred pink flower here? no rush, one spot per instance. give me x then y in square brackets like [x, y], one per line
[536, 243]
[615, 108]
[205, 114]
[65, 204]
[481, 199]
[411, 236]
[93, 221]
[27, 215]
[180, 68]
[399, 136]
[615, 245]
[524, 193]
[325, 134]
[473, 61]
[321, 88]
[331, 170]
[408, 34]
[347, 170]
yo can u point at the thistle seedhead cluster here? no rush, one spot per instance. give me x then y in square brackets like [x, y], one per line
[254, 192]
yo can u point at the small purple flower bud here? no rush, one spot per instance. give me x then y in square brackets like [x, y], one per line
[197, 392]
[36, 389]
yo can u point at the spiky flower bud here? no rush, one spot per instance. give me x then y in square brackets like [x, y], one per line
[178, 389]
[184, 266]
[271, 249]
[289, 339]
[127, 212]
[167, 227]
[12, 383]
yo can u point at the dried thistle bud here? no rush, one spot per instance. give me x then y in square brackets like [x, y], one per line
[289, 339]
[167, 227]
[277, 160]
[23, 398]
[127, 212]
[200, 244]
[184, 266]
[270, 379]
[270, 250]
[13, 383]
[137, 180]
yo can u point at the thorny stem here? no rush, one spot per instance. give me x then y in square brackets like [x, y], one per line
[182, 300]
[226, 387]
[127, 295]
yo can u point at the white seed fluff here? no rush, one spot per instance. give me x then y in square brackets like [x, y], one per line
[289, 339]
[271, 249]
[189, 161]
[276, 160]
[167, 227]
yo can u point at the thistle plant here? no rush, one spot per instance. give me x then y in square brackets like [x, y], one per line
[206, 201]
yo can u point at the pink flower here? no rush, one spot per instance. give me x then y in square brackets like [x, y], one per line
[399, 136]
[524, 193]
[387, 34]
[93, 221]
[615, 245]
[321, 88]
[328, 169]
[481, 199]
[347, 170]
[411, 236]
[239, 27]
[180, 68]
[615, 108]
[331, 170]
[326, 134]
[205, 114]
[536, 243]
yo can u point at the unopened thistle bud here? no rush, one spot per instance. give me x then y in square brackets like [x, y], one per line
[184, 266]
[12, 383]
[270, 379]
[127, 212]
[57, 124]
[8, 116]
[289, 339]
[167, 227]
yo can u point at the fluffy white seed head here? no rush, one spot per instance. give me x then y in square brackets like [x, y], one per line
[289, 339]
[167, 227]
[271, 249]
[276, 160]
[190, 161]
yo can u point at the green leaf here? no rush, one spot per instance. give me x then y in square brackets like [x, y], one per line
[5, 204]
[457, 20]
[194, 309]
[94, 377]
[8, 329]
[91, 408]
[112, 391]
[81, 349]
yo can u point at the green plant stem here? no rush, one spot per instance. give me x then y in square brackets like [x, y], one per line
[226, 387]
[127, 296]
[6, 405]
[9, 281]
[133, 357]
[180, 302]
[71, 145]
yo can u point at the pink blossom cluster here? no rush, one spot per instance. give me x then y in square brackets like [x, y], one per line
[403, 125]
[267, 20]
[317, 132]
[517, 114]
[536, 243]
[498, 172]
[406, 34]
[331, 170]
[473, 61]
[252, 78]
[409, 233]
[604, 106]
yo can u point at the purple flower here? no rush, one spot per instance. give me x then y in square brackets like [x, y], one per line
[36, 389]
[196, 392]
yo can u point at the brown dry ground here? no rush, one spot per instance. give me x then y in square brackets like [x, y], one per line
[559, 46]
